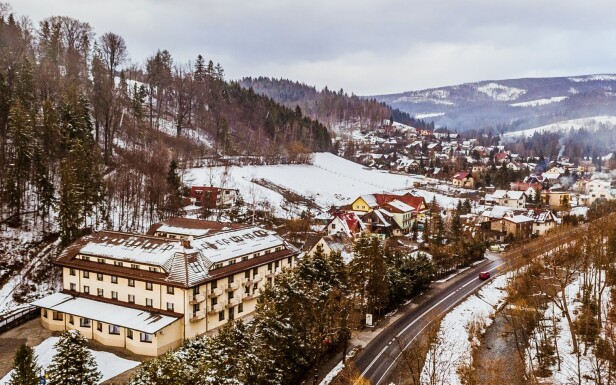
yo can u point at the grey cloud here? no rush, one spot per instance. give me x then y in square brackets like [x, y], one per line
[367, 47]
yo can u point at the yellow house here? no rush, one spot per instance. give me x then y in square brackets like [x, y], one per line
[556, 199]
[147, 293]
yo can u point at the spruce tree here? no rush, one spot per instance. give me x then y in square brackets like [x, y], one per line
[73, 364]
[25, 368]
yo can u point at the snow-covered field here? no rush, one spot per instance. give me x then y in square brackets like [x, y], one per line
[109, 364]
[575, 124]
[454, 330]
[331, 180]
[539, 102]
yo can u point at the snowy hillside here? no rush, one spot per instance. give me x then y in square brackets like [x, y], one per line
[514, 104]
[331, 180]
[574, 124]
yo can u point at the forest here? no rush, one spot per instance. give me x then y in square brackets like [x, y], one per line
[88, 139]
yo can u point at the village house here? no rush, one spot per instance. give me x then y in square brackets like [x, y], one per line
[543, 222]
[213, 197]
[149, 293]
[348, 224]
[514, 227]
[598, 189]
[463, 179]
[557, 200]
[515, 199]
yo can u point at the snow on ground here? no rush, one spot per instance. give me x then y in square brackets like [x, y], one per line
[330, 181]
[109, 364]
[500, 92]
[454, 329]
[539, 102]
[575, 124]
[568, 373]
[591, 78]
[429, 115]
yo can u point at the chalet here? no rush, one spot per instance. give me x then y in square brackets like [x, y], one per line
[348, 224]
[463, 179]
[543, 222]
[148, 294]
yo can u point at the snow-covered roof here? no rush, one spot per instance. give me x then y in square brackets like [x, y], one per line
[127, 317]
[401, 206]
[132, 247]
[519, 219]
[226, 245]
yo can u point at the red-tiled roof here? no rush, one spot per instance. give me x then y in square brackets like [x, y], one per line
[461, 175]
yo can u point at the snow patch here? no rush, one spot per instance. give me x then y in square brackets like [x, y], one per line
[539, 102]
[591, 123]
[429, 115]
[500, 92]
[593, 78]
[109, 364]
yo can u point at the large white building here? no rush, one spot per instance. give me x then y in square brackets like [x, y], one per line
[148, 293]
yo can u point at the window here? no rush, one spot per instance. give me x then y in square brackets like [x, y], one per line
[134, 266]
[57, 316]
[70, 320]
[255, 255]
[170, 306]
[73, 287]
[221, 315]
[114, 294]
[72, 271]
[146, 337]
[170, 290]
[117, 263]
[232, 261]
[247, 290]
[277, 264]
[131, 282]
[154, 269]
[114, 279]
[247, 274]
[99, 276]
[244, 258]
[131, 298]
[101, 260]
[195, 290]
[217, 265]
[114, 329]
[149, 302]
[99, 326]
[269, 266]
[85, 258]
[45, 313]
[290, 261]
[86, 289]
[85, 322]
[129, 334]
[214, 302]
[254, 287]
[86, 274]
[100, 292]
[214, 284]
[230, 279]
[229, 296]
[240, 307]
[148, 285]
[195, 308]
[255, 271]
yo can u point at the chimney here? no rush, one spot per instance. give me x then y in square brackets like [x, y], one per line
[186, 242]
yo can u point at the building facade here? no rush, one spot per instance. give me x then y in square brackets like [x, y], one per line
[148, 293]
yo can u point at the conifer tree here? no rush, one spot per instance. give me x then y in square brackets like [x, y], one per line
[73, 364]
[25, 368]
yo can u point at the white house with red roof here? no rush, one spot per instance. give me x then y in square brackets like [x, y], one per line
[463, 179]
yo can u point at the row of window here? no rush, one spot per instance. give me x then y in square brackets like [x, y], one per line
[87, 323]
[114, 279]
[245, 258]
[114, 295]
[119, 263]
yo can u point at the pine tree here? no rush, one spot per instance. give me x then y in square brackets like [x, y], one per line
[25, 368]
[73, 364]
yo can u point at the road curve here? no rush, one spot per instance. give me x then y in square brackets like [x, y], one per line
[377, 359]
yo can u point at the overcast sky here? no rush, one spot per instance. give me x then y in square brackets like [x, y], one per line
[365, 47]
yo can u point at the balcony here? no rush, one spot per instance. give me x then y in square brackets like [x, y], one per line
[197, 298]
[197, 316]
[233, 302]
[270, 274]
[257, 278]
[215, 292]
[233, 286]
[246, 281]
[215, 309]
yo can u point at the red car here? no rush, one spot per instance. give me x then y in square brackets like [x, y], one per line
[484, 275]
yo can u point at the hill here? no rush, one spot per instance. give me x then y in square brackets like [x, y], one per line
[339, 111]
[512, 104]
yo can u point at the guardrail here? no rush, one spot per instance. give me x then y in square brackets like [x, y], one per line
[18, 317]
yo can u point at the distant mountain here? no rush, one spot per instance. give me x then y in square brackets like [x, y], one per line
[512, 104]
[337, 110]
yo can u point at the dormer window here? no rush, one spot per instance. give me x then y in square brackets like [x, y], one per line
[134, 266]
[101, 260]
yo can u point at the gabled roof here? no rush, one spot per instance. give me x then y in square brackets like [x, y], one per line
[461, 175]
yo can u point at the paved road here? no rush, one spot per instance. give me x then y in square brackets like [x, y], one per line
[376, 361]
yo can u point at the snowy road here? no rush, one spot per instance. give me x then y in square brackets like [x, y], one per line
[378, 358]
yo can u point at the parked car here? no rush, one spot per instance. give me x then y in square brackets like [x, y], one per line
[484, 275]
